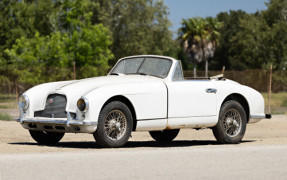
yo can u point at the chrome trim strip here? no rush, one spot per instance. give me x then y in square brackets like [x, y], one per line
[63, 122]
[91, 123]
[87, 104]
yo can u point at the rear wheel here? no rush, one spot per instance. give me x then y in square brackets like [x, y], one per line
[165, 135]
[114, 125]
[231, 124]
[43, 137]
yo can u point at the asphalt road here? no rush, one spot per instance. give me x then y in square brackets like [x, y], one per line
[222, 162]
[193, 155]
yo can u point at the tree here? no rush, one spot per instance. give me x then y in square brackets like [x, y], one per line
[276, 19]
[276, 12]
[24, 19]
[261, 39]
[249, 48]
[74, 38]
[199, 38]
[231, 26]
[137, 26]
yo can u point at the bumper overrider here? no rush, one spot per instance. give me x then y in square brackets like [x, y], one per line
[68, 124]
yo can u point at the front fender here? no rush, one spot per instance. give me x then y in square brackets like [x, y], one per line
[149, 103]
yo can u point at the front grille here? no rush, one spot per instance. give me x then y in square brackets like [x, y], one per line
[54, 108]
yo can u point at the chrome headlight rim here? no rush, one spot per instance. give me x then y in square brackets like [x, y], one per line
[23, 102]
[83, 104]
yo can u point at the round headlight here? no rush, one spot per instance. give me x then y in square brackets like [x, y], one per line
[23, 102]
[83, 104]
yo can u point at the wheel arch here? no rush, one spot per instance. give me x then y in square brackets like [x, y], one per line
[241, 100]
[127, 102]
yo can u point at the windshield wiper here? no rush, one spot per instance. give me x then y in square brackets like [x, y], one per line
[143, 74]
[139, 74]
[117, 74]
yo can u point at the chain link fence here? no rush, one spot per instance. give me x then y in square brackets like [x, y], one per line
[257, 79]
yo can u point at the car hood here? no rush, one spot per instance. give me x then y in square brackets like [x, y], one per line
[75, 89]
[84, 86]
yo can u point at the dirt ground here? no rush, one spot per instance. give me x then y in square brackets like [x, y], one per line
[15, 139]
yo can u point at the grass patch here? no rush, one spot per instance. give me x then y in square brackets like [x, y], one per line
[4, 107]
[284, 104]
[7, 96]
[278, 102]
[277, 99]
[7, 100]
[5, 117]
[4, 98]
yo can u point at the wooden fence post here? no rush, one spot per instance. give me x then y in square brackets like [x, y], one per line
[269, 89]
[74, 70]
[16, 90]
[223, 69]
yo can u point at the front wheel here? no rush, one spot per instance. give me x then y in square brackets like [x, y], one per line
[43, 137]
[231, 124]
[114, 125]
[165, 135]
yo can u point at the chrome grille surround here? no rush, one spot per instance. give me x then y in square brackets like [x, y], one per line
[54, 108]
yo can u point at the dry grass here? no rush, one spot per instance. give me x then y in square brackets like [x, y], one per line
[5, 117]
[278, 102]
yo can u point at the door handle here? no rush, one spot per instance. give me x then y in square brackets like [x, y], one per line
[210, 90]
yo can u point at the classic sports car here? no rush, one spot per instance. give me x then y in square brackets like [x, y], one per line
[141, 93]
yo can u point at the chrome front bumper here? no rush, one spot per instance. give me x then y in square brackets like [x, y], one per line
[57, 124]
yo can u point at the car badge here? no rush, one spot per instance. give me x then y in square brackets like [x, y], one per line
[50, 101]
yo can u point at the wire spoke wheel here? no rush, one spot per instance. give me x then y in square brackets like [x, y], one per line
[232, 122]
[231, 125]
[115, 125]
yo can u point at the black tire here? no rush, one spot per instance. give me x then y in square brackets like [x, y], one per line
[114, 125]
[165, 135]
[231, 125]
[43, 137]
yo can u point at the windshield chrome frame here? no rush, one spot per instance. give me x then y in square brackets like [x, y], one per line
[148, 56]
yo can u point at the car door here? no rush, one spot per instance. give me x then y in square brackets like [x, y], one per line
[191, 98]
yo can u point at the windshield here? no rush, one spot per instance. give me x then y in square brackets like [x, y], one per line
[153, 66]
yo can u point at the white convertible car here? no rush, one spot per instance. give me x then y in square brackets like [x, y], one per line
[141, 93]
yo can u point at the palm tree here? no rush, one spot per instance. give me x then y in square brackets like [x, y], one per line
[199, 38]
[191, 34]
[212, 40]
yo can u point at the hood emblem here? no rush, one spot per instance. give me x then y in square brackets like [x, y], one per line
[51, 101]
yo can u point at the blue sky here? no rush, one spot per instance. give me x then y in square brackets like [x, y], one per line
[182, 9]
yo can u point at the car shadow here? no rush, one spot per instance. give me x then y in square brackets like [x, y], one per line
[131, 144]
